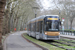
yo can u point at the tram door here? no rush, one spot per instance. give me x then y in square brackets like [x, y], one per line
[41, 28]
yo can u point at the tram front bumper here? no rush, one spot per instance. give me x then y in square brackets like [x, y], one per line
[51, 37]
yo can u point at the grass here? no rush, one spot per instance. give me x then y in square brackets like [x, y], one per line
[69, 47]
[68, 40]
[46, 45]
[3, 38]
[63, 42]
[68, 30]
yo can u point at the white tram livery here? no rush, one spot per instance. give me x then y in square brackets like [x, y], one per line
[44, 27]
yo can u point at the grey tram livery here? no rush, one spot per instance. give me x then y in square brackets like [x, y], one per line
[44, 27]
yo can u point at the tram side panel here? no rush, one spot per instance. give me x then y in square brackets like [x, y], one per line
[40, 33]
[29, 29]
[33, 29]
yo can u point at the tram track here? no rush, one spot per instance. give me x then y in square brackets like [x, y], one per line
[64, 42]
[60, 44]
[69, 41]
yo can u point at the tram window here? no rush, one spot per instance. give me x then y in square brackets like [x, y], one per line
[54, 25]
[41, 26]
[27, 27]
[37, 26]
[30, 27]
[34, 27]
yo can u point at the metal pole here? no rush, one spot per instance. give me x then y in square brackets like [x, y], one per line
[35, 15]
[67, 21]
[60, 18]
[35, 22]
[67, 18]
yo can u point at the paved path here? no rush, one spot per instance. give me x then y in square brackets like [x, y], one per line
[68, 36]
[16, 42]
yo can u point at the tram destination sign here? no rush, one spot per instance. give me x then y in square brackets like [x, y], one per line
[52, 18]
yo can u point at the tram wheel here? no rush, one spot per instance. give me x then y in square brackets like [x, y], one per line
[29, 34]
[37, 37]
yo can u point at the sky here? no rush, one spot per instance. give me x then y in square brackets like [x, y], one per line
[47, 4]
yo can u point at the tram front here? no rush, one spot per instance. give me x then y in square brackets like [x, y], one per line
[51, 29]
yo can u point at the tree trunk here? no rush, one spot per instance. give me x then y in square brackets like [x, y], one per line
[71, 21]
[70, 25]
[16, 24]
[2, 6]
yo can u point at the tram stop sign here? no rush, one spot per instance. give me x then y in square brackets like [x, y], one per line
[63, 20]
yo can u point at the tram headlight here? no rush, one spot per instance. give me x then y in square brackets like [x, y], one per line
[46, 33]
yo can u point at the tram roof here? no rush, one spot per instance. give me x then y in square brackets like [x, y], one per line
[41, 17]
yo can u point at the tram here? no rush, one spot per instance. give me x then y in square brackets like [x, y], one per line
[44, 27]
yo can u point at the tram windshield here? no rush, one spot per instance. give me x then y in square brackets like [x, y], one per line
[52, 26]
